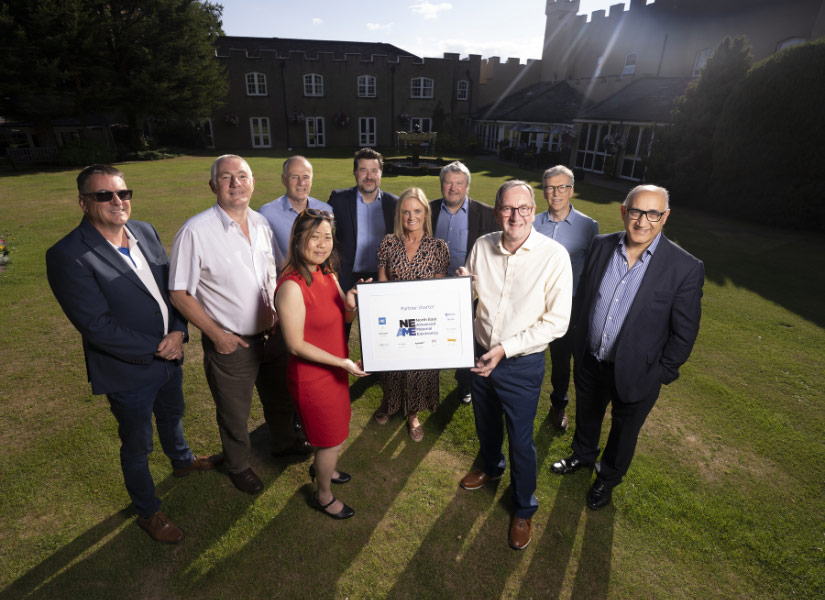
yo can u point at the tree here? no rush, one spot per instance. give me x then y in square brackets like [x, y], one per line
[136, 59]
[682, 159]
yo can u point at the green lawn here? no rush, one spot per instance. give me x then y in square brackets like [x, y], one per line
[724, 498]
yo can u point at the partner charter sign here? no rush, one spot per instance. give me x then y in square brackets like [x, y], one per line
[413, 325]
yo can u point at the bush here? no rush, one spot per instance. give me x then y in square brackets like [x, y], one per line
[82, 152]
[158, 154]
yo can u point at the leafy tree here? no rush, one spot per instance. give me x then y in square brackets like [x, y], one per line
[137, 59]
[682, 158]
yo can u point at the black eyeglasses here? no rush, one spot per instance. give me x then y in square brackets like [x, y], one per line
[653, 216]
[561, 188]
[314, 212]
[523, 210]
[108, 196]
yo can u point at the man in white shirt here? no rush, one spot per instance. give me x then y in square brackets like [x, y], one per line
[524, 286]
[223, 279]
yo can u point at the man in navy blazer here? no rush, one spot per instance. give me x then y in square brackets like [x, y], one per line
[364, 214]
[635, 320]
[111, 281]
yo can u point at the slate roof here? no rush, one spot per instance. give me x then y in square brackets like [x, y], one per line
[254, 45]
[648, 99]
[542, 102]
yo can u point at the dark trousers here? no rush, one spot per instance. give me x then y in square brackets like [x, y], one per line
[510, 394]
[561, 350]
[133, 410]
[595, 389]
[231, 378]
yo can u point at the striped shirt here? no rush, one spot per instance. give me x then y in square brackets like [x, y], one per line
[617, 291]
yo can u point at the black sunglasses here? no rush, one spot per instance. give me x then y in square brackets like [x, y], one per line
[108, 196]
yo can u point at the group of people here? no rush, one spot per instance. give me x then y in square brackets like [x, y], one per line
[274, 294]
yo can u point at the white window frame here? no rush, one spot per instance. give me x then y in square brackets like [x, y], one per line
[591, 154]
[553, 142]
[421, 87]
[255, 84]
[462, 91]
[425, 123]
[629, 63]
[316, 132]
[313, 85]
[636, 151]
[367, 131]
[260, 133]
[366, 86]
[701, 60]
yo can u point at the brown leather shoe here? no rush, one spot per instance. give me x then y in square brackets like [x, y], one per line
[200, 463]
[160, 528]
[247, 481]
[558, 419]
[521, 532]
[476, 478]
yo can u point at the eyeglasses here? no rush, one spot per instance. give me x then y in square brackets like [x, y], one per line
[561, 188]
[653, 216]
[124, 195]
[524, 210]
[314, 212]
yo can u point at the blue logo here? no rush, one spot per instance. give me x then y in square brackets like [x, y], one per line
[382, 320]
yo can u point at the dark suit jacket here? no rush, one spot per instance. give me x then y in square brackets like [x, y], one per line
[118, 319]
[661, 326]
[481, 220]
[346, 227]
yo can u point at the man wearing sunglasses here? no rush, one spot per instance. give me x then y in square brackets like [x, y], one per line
[110, 280]
[634, 323]
[575, 231]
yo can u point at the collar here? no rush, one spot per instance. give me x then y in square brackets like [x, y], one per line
[360, 198]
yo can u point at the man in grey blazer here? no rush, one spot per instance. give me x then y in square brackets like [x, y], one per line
[111, 281]
[635, 320]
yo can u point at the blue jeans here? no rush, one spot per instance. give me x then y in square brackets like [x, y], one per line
[511, 391]
[133, 410]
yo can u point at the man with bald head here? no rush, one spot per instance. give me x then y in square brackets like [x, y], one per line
[635, 319]
[281, 213]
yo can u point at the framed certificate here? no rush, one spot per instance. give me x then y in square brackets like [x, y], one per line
[414, 325]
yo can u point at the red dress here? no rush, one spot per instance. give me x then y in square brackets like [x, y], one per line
[321, 392]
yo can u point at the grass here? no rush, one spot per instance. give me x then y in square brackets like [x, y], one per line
[723, 500]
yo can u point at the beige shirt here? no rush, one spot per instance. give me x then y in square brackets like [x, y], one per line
[233, 278]
[524, 298]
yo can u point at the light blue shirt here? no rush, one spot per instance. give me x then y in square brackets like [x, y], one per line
[371, 230]
[575, 233]
[281, 216]
[617, 291]
[454, 229]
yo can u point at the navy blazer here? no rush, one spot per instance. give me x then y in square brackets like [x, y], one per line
[481, 220]
[661, 326]
[116, 315]
[346, 227]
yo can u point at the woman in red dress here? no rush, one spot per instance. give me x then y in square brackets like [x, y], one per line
[312, 309]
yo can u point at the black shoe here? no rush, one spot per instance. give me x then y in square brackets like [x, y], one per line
[299, 448]
[558, 419]
[598, 496]
[342, 477]
[247, 481]
[345, 513]
[568, 465]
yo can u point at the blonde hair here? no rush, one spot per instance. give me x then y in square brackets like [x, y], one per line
[418, 194]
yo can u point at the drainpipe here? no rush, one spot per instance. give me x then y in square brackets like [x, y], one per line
[392, 104]
[282, 64]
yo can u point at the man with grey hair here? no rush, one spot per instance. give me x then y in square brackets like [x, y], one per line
[460, 221]
[281, 213]
[635, 321]
[222, 279]
[575, 231]
[524, 285]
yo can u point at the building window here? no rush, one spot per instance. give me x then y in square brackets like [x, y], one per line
[316, 138]
[425, 123]
[421, 87]
[553, 142]
[366, 131]
[259, 127]
[207, 134]
[629, 64]
[255, 84]
[591, 154]
[463, 90]
[790, 42]
[636, 152]
[701, 58]
[313, 84]
[366, 86]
